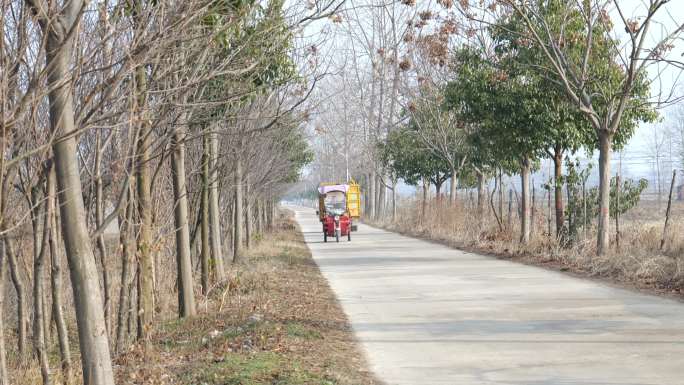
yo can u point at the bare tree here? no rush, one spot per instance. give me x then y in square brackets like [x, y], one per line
[94, 345]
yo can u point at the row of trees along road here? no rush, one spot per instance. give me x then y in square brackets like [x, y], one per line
[497, 86]
[166, 117]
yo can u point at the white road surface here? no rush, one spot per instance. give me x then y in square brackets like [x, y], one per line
[428, 314]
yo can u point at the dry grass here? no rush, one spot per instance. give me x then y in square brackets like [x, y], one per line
[638, 263]
[275, 320]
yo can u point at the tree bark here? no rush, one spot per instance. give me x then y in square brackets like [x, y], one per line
[17, 280]
[525, 212]
[371, 208]
[133, 302]
[605, 148]
[4, 375]
[480, 194]
[558, 189]
[238, 215]
[501, 196]
[216, 244]
[19, 288]
[663, 240]
[510, 208]
[93, 341]
[99, 219]
[423, 206]
[248, 213]
[95, 356]
[126, 241]
[380, 205]
[39, 325]
[258, 208]
[144, 201]
[453, 182]
[270, 213]
[57, 289]
[394, 200]
[204, 207]
[617, 213]
[533, 209]
[186, 295]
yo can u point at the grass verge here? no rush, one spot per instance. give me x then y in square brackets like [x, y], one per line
[275, 320]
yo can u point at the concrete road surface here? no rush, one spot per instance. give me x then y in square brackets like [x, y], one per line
[428, 314]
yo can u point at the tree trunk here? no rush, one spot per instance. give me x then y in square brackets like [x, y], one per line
[380, 205]
[617, 212]
[186, 295]
[533, 209]
[267, 226]
[238, 215]
[19, 288]
[501, 196]
[667, 211]
[4, 375]
[99, 219]
[214, 216]
[204, 207]
[371, 192]
[558, 188]
[423, 206]
[274, 209]
[258, 208]
[525, 217]
[605, 148]
[57, 290]
[248, 213]
[126, 241]
[133, 302]
[195, 237]
[480, 194]
[39, 325]
[93, 341]
[267, 215]
[144, 200]
[38, 222]
[394, 200]
[510, 208]
[271, 212]
[17, 280]
[366, 196]
[453, 182]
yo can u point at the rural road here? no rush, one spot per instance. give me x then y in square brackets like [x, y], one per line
[427, 314]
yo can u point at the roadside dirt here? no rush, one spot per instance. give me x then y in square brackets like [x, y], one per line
[275, 321]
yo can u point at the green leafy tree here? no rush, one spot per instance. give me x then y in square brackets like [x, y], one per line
[405, 155]
[605, 78]
[571, 130]
[509, 113]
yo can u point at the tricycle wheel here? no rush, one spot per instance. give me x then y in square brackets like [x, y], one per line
[337, 235]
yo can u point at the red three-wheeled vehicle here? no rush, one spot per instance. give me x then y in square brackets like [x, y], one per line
[335, 212]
